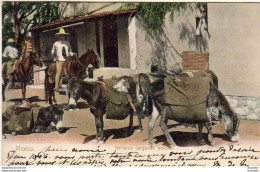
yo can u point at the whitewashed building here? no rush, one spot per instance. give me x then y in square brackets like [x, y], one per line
[230, 35]
[120, 38]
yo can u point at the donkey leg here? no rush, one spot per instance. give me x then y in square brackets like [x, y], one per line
[130, 127]
[200, 138]
[97, 128]
[210, 135]
[101, 131]
[140, 127]
[165, 129]
[151, 122]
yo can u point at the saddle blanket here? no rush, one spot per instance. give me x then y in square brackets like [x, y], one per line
[117, 103]
[187, 97]
[186, 91]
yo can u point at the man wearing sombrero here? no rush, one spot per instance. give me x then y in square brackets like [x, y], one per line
[61, 50]
[10, 56]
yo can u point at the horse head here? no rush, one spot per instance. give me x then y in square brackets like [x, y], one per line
[93, 59]
[34, 59]
[74, 88]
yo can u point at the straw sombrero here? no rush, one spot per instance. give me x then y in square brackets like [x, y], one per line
[10, 40]
[62, 32]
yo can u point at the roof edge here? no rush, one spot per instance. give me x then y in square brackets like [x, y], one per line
[78, 19]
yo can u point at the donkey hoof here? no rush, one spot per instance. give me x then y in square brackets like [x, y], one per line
[212, 143]
[139, 130]
[13, 133]
[71, 110]
[202, 142]
[101, 141]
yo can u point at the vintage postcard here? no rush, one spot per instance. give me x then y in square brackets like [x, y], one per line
[130, 84]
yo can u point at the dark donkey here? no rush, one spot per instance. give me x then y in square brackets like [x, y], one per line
[22, 72]
[32, 120]
[180, 114]
[71, 69]
[92, 92]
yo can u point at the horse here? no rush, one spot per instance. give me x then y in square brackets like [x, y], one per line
[166, 111]
[94, 94]
[22, 72]
[21, 121]
[72, 69]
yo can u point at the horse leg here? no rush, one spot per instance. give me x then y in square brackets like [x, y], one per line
[210, 135]
[151, 122]
[23, 89]
[3, 89]
[53, 95]
[165, 128]
[200, 138]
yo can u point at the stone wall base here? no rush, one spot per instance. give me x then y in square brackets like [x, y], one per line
[248, 108]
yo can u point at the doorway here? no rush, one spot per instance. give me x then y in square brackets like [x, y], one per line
[110, 41]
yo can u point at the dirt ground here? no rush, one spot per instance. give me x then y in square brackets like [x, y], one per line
[81, 128]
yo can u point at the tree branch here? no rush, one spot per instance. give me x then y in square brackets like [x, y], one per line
[27, 26]
[24, 15]
[37, 7]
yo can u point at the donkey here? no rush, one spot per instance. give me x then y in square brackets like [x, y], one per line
[93, 93]
[161, 108]
[153, 87]
[20, 120]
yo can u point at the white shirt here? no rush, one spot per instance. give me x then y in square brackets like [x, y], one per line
[57, 50]
[10, 51]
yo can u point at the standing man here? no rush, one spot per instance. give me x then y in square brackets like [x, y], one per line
[10, 56]
[61, 50]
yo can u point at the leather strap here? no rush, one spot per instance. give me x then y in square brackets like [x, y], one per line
[130, 102]
[105, 94]
[105, 89]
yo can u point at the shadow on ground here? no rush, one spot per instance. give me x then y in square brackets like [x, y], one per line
[187, 139]
[30, 99]
[115, 133]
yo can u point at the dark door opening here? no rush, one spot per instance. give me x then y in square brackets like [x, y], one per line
[110, 42]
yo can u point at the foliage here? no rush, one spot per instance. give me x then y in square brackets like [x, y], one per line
[19, 17]
[154, 13]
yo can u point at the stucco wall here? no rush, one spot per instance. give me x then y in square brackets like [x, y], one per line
[90, 36]
[235, 47]
[123, 42]
[81, 37]
[165, 49]
[82, 8]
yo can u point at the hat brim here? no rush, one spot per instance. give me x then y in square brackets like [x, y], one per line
[62, 34]
[11, 42]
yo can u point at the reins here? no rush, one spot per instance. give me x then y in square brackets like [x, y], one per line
[79, 61]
